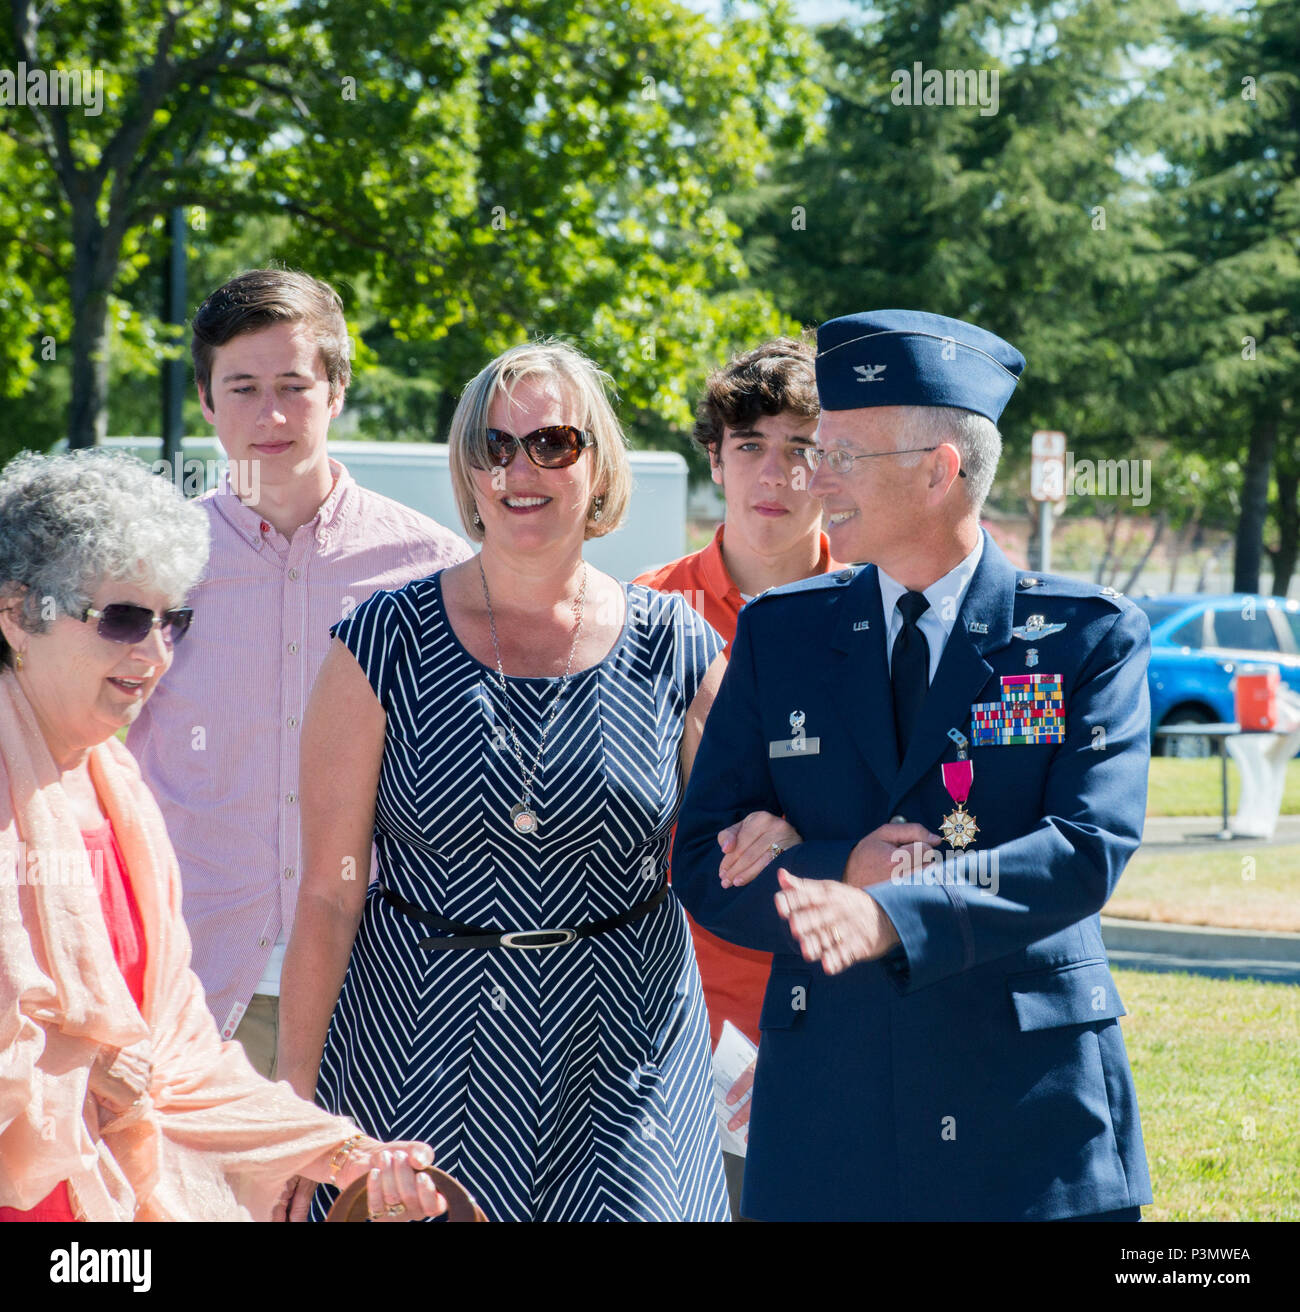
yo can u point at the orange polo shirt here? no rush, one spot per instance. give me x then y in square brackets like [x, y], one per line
[734, 977]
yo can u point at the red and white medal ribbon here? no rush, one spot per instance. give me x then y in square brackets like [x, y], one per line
[959, 828]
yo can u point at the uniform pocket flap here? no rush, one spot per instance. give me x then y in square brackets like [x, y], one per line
[786, 999]
[1077, 994]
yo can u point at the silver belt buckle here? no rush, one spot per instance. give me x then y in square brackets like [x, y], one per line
[557, 938]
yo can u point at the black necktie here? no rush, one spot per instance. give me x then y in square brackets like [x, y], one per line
[909, 668]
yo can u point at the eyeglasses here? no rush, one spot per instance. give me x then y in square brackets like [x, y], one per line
[841, 462]
[123, 621]
[556, 447]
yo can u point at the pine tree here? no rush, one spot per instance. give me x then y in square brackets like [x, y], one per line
[1226, 327]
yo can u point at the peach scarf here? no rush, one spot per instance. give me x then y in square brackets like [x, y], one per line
[212, 1140]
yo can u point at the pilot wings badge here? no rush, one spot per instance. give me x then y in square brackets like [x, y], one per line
[1035, 627]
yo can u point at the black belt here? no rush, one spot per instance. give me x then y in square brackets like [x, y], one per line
[471, 936]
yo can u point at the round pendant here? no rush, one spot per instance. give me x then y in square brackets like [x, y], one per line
[524, 821]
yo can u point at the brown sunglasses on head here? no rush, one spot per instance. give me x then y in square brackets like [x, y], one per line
[555, 447]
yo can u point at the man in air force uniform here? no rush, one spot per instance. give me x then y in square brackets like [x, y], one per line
[940, 1033]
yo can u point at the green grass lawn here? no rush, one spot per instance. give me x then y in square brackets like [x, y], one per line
[1239, 888]
[1217, 1065]
[1192, 787]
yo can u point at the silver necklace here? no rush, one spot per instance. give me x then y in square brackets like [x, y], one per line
[522, 815]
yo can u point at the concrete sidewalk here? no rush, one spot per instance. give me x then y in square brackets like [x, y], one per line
[1202, 949]
[1185, 832]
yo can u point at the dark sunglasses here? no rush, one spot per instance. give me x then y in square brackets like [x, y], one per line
[548, 448]
[123, 621]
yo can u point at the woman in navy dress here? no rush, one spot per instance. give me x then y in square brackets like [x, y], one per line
[514, 733]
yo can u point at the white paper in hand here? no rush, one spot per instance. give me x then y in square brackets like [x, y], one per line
[730, 1058]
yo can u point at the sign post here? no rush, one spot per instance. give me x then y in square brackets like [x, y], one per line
[1046, 486]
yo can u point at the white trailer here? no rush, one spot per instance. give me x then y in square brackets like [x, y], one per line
[417, 475]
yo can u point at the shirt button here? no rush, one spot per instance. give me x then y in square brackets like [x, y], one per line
[288, 872]
[293, 647]
[897, 820]
[261, 942]
[291, 798]
[292, 721]
[293, 573]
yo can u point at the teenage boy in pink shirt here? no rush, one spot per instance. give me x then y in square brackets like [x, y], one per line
[296, 545]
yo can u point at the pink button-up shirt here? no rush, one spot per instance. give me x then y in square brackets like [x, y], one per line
[218, 741]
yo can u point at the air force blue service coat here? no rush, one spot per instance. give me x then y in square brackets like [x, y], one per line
[977, 1072]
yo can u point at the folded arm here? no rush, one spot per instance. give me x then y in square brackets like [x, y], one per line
[1065, 869]
[730, 780]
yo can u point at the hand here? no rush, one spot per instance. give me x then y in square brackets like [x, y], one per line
[876, 857]
[834, 923]
[295, 1200]
[121, 1077]
[748, 846]
[742, 1085]
[395, 1188]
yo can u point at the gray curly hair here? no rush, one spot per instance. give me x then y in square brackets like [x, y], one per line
[70, 522]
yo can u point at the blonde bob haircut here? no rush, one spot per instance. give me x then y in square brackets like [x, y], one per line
[580, 379]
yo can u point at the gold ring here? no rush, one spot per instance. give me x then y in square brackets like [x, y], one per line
[836, 931]
[395, 1209]
[776, 849]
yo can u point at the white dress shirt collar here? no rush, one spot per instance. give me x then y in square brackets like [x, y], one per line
[945, 596]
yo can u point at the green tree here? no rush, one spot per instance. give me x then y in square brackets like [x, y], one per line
[1036, 221]
[1226, 329]
[478, 171]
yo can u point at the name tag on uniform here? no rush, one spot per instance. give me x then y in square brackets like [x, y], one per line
[798, 745]
[784, 747]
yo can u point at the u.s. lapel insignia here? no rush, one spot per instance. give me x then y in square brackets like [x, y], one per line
[976, 626]
[859, 625]
[1031, 657]
[798, 744]
[1035, 627]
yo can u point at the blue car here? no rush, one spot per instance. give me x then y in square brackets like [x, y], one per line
[1198, 643]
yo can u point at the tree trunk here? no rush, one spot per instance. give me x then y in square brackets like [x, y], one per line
[1288, 526]
[1146, 555]
[1180, 548]
[1103, 565]
[88, 410]
[1254, 506]
[1209, 562]
[447, 399]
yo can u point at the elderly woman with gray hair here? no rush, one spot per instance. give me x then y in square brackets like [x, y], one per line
[118, 1101]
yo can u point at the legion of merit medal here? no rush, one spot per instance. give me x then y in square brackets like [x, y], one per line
[959, 828]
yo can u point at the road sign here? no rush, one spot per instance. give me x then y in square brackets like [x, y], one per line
[1047, 468]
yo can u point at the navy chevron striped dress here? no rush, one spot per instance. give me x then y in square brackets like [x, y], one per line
[560, 1084]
